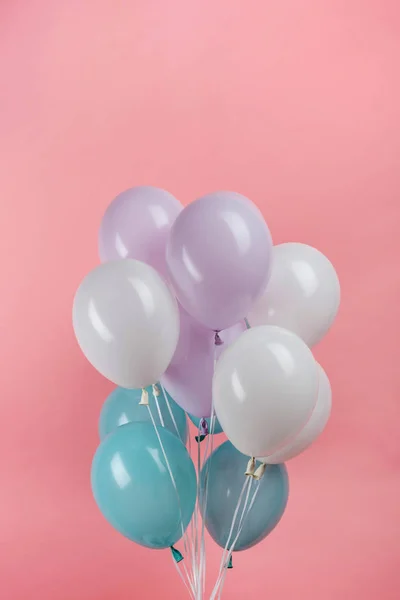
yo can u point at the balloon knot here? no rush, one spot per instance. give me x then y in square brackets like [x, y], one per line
[203, 430]
[145, 397]
[176, 554]
[230, 563]
[251, 466]
[259, 472]
[217, 339]
[246, 322]
[203, 427]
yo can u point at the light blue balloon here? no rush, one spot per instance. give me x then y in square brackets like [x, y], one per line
[225, 481]
[133, 487]
[122, 406]
[217, 426]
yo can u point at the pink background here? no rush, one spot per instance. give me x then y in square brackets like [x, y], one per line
[292, 103]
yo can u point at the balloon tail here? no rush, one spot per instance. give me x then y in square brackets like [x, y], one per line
[200, 438]
[203, 427]
[246, 322]
[156, 390]
[176, 554]
[230, 563]
[144, 400]
[259, 472]
[217, 339]
[251, 465]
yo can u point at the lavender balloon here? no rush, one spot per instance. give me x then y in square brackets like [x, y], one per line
[218, 258]
[137, 224]
[189, 376]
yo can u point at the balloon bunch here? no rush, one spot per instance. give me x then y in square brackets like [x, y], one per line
[193, 310]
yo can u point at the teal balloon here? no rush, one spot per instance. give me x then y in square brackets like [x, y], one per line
[122, 406]
[225, 481]
[217, 426]
[133, 487]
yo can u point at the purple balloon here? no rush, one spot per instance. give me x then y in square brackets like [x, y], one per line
[137, 224]
[219, 258]
[188, 378]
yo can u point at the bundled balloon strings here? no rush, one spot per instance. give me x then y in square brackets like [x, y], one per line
[184, 533]
[181, 575]
[207, 459]
[190, 545]
[194, 521]
[192, 528]
[198, 575]
[197, 511]
[194, 578]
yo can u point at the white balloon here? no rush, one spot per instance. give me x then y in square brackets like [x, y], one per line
[265, 388]
[126, 322]
[303, 294]
[314, 427]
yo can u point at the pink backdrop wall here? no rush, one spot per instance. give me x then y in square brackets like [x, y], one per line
[292, 103]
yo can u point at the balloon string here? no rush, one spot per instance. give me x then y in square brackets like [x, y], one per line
[202, 494]
[193, 529]
[245, 487]
[237, 537]
[228, 556]
[174, 484]
[196, 538]
[193, 525]
[198, 506]
[181, 575]
[245, 514]
[155, 396]
[207, 459]
[204, 500]
[225, 555]
[203, 504]
[189, 578]
[167, 402]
